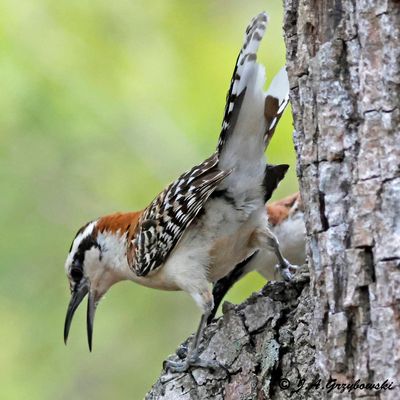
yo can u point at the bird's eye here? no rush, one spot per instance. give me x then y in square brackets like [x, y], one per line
[76, 274]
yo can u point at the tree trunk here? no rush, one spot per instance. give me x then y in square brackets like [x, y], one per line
[344, 68]
[343, 59]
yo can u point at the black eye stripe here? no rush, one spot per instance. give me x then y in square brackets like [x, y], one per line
[86, 244]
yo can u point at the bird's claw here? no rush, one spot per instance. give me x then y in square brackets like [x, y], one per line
[182, 351]
[287, 270]
[194, 361]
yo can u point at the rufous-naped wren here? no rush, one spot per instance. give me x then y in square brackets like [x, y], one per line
[201, 225]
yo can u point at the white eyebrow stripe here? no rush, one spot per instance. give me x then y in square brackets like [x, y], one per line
[78, 239]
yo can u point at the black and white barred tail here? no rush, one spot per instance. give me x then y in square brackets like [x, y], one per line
[243, 70]
[248, 76]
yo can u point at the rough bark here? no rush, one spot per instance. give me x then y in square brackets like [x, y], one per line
[262, 342]
[343, 60]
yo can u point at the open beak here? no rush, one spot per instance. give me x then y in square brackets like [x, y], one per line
[77, 296]
[91, 309]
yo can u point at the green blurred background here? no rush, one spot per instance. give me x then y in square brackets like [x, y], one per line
[101, 105]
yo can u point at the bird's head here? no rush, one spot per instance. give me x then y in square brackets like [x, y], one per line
[96, 261]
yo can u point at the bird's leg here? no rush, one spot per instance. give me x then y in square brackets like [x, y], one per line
[222, 286]
[286, 269]
[193, 358]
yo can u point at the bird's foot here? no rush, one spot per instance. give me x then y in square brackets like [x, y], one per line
[192, 361]
[287, 270]
[182, 351]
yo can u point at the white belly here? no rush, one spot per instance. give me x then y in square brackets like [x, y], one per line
[214, 245]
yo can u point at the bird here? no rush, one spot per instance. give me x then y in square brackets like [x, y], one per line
[202, 224]
[286, 217]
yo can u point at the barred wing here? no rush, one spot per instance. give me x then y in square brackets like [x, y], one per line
[165, 220]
